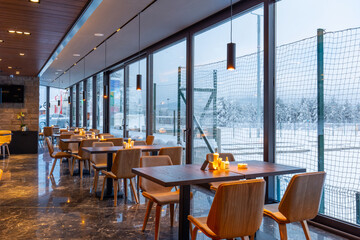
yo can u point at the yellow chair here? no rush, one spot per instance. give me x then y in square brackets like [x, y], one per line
[235, 212]
[175, 154]
[5, 139]
[125, 160]
[300, 202]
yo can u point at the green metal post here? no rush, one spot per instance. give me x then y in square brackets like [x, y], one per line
[320, 101]
[215, 104]
[357, 207]
[179, 107]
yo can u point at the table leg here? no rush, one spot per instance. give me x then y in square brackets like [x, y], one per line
[184, 211]
[109, 180]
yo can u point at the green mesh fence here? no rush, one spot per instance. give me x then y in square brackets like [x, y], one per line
[231, 120]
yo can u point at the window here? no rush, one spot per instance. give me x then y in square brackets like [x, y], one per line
[42, 107]
[301, 118]
[136, 102]
[59, 108]
[117, 103]
[89, 102]
[99, 101]
[73, 106]
[228, 105]
[81, 104]
[169, 105]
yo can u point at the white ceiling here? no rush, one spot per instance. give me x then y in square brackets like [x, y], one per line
[160, 20]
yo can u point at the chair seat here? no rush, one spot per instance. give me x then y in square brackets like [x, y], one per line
[163, 198]
[4, 143]
[99, 166]
[272, 210]
[109, 174]
[200, 222]
[63, 155]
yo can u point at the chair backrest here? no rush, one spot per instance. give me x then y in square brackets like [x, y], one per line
[100, 158]
[95, 130]
[5, 138]
[106, 135]
[116, 141]
[139, 143]
[175, 154]
[86, 143]
[237, 209]
[301, 199]
[64, 146]
[48, 131]
[230, 156]
[50, 146]
[63, 131]
[150, 140]
[124, 161]
[154, 161]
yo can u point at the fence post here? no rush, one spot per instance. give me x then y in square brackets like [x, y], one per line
[320, 102]
[357, 207]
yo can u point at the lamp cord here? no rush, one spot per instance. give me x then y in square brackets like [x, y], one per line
[139, 43]
[231, 16]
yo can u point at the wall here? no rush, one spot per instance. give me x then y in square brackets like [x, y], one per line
[30, 107]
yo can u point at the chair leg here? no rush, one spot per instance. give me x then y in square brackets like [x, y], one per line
[283, 231]
[81, 168]
[103, 188]
[172, 214]
[252, 237]
[157, 221]
[306, 229]
[7, 147]
[147, 214]
[3, 151]
[194, 232]
[134, 191]
[96, 179]
[72, 168]
[53, 166]
[125, 188]
[138, 183]
[115, 182]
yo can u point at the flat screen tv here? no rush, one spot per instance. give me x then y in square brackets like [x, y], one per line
[11, 93]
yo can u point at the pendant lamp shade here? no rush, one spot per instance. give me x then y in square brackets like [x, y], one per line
[138, 82]
[84, 96]
[105, 91]
[231, 56]
[69, 100]
[58, 103]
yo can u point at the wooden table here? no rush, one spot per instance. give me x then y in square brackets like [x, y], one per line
[111, 150]
[186, 175]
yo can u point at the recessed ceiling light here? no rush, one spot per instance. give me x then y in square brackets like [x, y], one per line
[22, 54]
[34, 1]
[59, 70]
[9, 67]
[74, 64]
[11, 31]
[27, 33]
[0, 59]
[76, 55]
[98, 34]
[118, 29]
[1, 41]
[94, 48]
[19, 32]
[17, 72]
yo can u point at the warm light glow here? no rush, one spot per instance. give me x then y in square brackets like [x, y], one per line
[17, 72]
[74, 64]
[231, 69]
[118, 29]
[11, 31]
[1, 41]
[9, 67]
[22, 54]
[98, 34]
[94, 48]
[27, 33]
[34, 1]
[19, 32]
[76, 55]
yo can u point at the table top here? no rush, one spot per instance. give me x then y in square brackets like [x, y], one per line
[5, 134]
[144, 148]
[190, 174]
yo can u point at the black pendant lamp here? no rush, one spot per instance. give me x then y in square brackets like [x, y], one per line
[58, 103]
[84, 96]
[69, 100]
[105, 91]
[138, 77]
[231, 48]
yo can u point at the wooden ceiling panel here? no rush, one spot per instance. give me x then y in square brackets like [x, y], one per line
[48, 22]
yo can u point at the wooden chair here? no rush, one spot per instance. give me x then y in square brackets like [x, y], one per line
[99, 162]
[48, 132]
[235, 212]
[115, 141]
[124, 161]
[74, 147]
[214, 185]
[56, 156]
[5, 141]
[300, 202]
[139, 143]
[106, 135]
[83, 156]
[64, 147]
[63, 131]
[175, 154]
[95, 130]
[150, 140]
[156, 193]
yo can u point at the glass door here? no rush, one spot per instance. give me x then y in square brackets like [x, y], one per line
[117, 103]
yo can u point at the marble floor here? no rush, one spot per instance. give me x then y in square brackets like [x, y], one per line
[33, 206]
